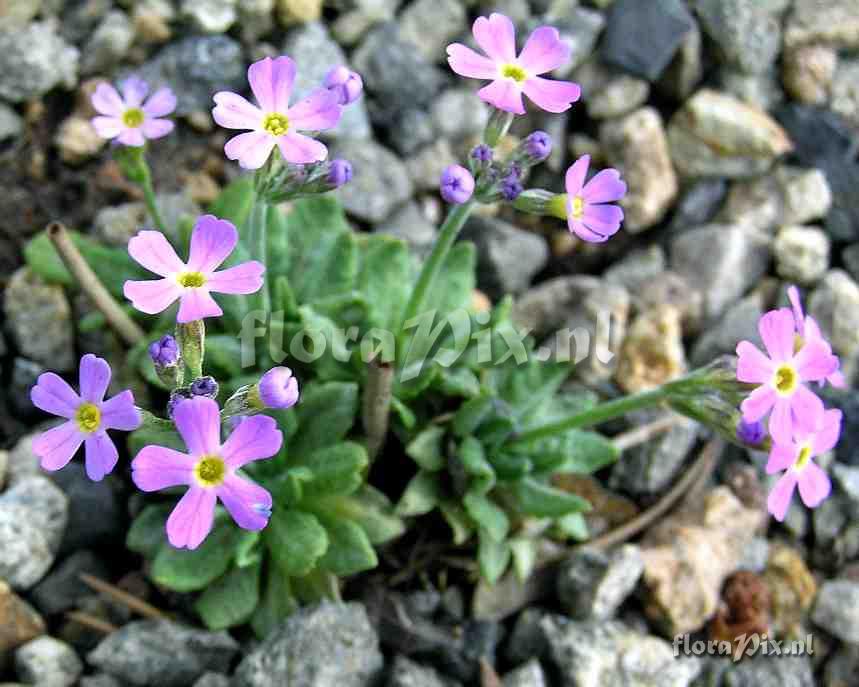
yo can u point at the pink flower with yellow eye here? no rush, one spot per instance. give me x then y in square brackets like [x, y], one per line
[131, 118]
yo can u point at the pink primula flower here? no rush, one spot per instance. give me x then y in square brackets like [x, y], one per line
[795, 457]
[512, 76]
[274, 122]
[210, 470]
[586, 205]
[808, 329]
[131, 118]
[88, 417]
[191, 283]
[781, 376]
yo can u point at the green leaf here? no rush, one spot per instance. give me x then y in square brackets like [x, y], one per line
[296, 541]
[426, 449]
[524, 552]
[146, 534]
[574, 526]
[223, 356]
[492, 519]
[587, 452]
[473, 460]
[277, 604]
[277, 244]
[349, 550]
[493, 556]
[421, 495]
[336, 470]
[404, 413]
[384, 278]
[471, 415]
[231, 599]
[457, 517]
[184, 570]
[454, 289]
[325, 414]
[235, 201]
[373, 511]
[544, 501]
[248, 549]
[511, 466]
[458, 381]
[159, 436]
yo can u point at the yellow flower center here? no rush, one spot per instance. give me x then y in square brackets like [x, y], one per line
[210, 471]
[513, 71]
[133, 117]
[803, 458]
[577, 207]
[557, 206]
[276, 124]
[193, 280]
[785, 379]
[88, 417]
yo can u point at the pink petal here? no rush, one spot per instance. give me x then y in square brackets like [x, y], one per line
[191, 520]
[94, 376]
[251, 149]
[796, 305]
[466, 62]
[782, 456]
[161, 103]
[247, 502]
[132, 137]
[781, 421]
[779, 499]
[157, 128]
[815, 361]
[807, 410]
[197, 304]
[550, 95]
[544, 51]
[232, 111]
[199, 422]
[119, 413]
[57, 446]
[300, 149]
[212, 241]
[108, 127]
[496, 36]
[101, 456]
[134, 91]
[255, 438]
[814, 485]
[504, 94]
[837, 380]
[576, 174]
[758, 404]
[152, 297]
[605, 187]
[811, 330]
[827, 437]
[53, 395]
[584, 232]
[753, 366]
[157, 467]
[242, 279]
[152, 250]
[318, 111]
[603, 219]
[776, 330]
[106, 101]
[271, 82]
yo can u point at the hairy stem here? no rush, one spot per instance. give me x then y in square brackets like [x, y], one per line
[376, 405]
[91, 285]
[149, 196]
[257, 243]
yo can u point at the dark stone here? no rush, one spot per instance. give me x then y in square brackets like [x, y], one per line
[62, 588]
[24, 375]
[817, 133]
[642, 37]
[847, 401]
[699, 204]
[842, 222]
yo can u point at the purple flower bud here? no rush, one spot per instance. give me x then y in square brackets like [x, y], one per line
[752, 433]
[277, 388]
[538, 146]
[482, 153]
[347, 84]
[511, 187]
[457, 184]
[164, 352]
[339, 173]
[514, 170]
[176, 397]
[205, 386]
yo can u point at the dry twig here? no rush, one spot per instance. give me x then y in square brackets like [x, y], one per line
[121, 596]
[92, 622]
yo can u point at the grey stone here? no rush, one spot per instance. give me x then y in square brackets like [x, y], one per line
[835, 306]
[801, 254]
[117, 224]
[25, 374]
[850, 257]
[836, 609]
[847, 477]
[740, 322]
[609, 93]
[62, 587]
[530, 674]
[458, 114]
[610, 654]
[808, 71]
[759, 671]
[407, 673]
[19, 12]
[11, 124]
[411, 129]
[806, 193]
[830, 22]
[431, 25]
[592, 584]
[162, 653]
[210, 16]
[33, 516]
[845, 91]
[380, 183]
[4, 466]
[721, 261]
[528, 639]
[579, 28]
[33, 60]
[637, 268]
[650, 468]
[686, 70]
[761, 90]
[698, 204]
[642, 38]
[426, 165]
[755, 555]
[315, 52]
[211, 679]
[195, 68]
[108, 44]
[23, 462]
[714, 134]
[508, 257]
[842, 667]
[411, 225]
[637, 146]
[319, 646]
[757, 205]
[100, 680]
[48, 662]
[748, 36]
[256, 19]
